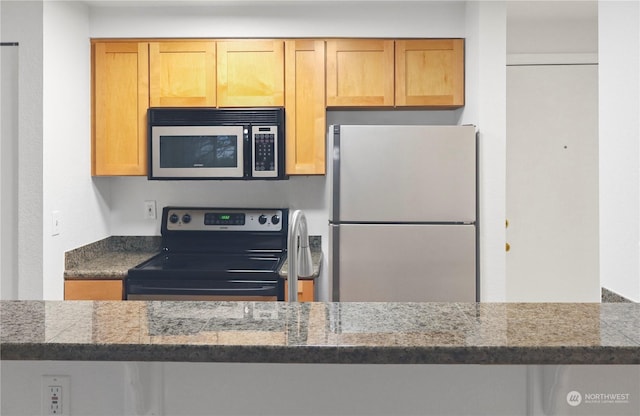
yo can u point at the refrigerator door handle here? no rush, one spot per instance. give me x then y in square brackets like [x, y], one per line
[335, 262]
[335, 197]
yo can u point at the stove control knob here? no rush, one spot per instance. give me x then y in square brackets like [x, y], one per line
[275, 220]
[186, 218]
[174, 218]
[262, 219]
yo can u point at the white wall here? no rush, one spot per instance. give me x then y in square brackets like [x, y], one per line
[22, 23]
[486, 108]
[565, 27]
[619, 69]
[149, 388]
[66, 145]
[8, 168]
[284, 19]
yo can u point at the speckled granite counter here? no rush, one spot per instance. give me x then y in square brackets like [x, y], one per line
[111, 257]
[276, 332]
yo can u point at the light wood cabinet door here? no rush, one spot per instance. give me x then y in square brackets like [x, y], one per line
[430, 72]
[182, 74]
[250, 73]
[305, 106]
[306, 290]
[93, 290]
[120, 101]
[360, 72]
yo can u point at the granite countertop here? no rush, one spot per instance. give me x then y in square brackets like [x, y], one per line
[109, 258]
[313, 332]
[316, 259]
[112, 257]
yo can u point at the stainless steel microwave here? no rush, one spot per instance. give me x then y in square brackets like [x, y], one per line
[216, 143]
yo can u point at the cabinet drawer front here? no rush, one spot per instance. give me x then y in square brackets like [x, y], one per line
[93, 290]
[306, 291]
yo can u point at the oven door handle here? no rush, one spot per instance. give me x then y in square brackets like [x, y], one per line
[236, 291]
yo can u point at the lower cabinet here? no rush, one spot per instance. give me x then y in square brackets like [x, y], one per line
[305, 290]
[93, 290]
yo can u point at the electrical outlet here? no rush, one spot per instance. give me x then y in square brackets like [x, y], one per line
[55, 395]
[150, 210]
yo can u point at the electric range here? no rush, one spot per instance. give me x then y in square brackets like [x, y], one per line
[215, 254]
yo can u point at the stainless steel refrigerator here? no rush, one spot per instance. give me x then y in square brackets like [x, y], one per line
[403, 209]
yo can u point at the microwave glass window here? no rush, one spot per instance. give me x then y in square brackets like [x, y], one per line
[199, 151]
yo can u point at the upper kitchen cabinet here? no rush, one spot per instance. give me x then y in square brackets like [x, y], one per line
[120, 84]
[360, 72]
[305, 106]
[402, 73]
[430, 72]
[250, 73]
[182, 74]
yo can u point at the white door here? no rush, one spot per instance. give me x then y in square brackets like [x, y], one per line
[552, 183]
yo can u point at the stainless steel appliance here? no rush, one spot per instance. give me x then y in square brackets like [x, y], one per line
[403, 213]
[215, 254]
[213, 143]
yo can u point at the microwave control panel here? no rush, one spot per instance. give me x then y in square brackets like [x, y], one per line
[264, 145]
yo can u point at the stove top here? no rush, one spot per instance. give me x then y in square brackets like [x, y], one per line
[215, 250]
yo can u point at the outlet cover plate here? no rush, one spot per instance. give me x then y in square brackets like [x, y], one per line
[150, 210]
[56, 395]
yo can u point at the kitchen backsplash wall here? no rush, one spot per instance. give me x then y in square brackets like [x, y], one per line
[129, 194]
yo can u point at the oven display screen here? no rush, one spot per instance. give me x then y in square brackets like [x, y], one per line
[222, 218]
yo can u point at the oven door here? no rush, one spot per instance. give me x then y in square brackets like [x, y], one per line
[197, 152]
[190, 289]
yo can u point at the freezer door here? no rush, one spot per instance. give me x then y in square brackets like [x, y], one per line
[403, 173]
[403, 263]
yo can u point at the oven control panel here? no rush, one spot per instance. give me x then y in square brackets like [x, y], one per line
[222, 219]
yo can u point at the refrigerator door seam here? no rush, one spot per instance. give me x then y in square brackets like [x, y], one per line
[402, 222]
